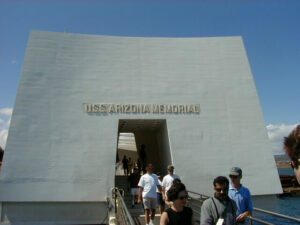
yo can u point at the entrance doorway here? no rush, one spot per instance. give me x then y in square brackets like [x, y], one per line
[144, 140]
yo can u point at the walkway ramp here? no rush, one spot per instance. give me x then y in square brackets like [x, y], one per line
[137, 212]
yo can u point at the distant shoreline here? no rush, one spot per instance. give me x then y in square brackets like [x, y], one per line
[283, 165]
[282, 161]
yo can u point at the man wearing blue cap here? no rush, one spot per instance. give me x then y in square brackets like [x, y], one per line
[240, 194]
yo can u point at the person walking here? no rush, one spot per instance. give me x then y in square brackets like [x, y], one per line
[219, 209]
[147, 193]
[134, 189]
[160, 201]
[240, 194]
[178, 213]
[125, 165]
[168, 180]
[130, 166]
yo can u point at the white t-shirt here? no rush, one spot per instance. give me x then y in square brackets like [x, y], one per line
[168, 181]
[149, 183]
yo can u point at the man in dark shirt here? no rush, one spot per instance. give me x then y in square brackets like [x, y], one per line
[134, 189]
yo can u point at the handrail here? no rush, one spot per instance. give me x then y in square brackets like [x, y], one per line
[277, 214]
[202, 195]
[122, 213]
[251, 218]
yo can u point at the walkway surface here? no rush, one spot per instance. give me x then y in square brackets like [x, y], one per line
[136, 211]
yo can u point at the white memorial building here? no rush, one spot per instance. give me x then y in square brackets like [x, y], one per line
[191, 101]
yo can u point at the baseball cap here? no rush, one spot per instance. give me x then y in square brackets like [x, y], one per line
[236, 171]
[170, 167]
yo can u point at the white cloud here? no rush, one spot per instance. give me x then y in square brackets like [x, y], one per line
[276, 133]
[3, 137]
[5, 117]
[6, 111]
[14, 62]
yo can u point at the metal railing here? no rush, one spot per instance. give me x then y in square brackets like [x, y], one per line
[196, 199]
[123, 216]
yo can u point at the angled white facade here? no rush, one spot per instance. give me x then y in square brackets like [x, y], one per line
[58, 153]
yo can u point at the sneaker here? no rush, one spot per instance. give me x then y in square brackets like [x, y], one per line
[151, 222]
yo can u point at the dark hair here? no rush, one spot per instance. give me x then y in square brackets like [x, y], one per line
[177, 180]
[221, 180]
[292, 145]
[174, 191]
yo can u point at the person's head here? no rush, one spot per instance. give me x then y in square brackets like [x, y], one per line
[177, 194]
[149, 168]
[170, 169]
[221, 185]
[159, 175]
[292, 148]
[235, 175]
[177, 180]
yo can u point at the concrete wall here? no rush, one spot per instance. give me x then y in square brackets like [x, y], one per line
[23, 213]
[164, 148]
[58, 153]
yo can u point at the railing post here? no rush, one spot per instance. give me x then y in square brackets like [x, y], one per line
[251, 222]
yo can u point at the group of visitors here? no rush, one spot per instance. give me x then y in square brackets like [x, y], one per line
[230, 205]
[129, 165]
[164, 191]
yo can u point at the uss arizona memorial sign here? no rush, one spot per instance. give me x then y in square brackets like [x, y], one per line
[142, 108]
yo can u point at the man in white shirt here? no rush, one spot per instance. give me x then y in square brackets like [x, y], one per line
[168, 180]
[147, 193]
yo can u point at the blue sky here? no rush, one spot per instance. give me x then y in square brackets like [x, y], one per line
[270, 30]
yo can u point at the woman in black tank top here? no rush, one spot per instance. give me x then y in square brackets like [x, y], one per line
[178, 214]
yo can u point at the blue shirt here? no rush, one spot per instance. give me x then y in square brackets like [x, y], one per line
[242, 198]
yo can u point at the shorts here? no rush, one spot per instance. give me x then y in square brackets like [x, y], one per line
[160, 200]
[134, 191]
[150, 203]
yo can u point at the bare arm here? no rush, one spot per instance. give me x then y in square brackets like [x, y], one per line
[243, 216]
[140, 195]
[164, 219]
[163, 191]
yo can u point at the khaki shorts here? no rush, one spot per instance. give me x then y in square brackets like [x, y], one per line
[150, 203]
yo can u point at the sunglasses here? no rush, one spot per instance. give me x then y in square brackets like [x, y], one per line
[183, 197]
[221, 189]
[294, 165]
[233, 176]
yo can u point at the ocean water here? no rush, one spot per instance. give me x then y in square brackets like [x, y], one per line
[286, 171]
[289, 206]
